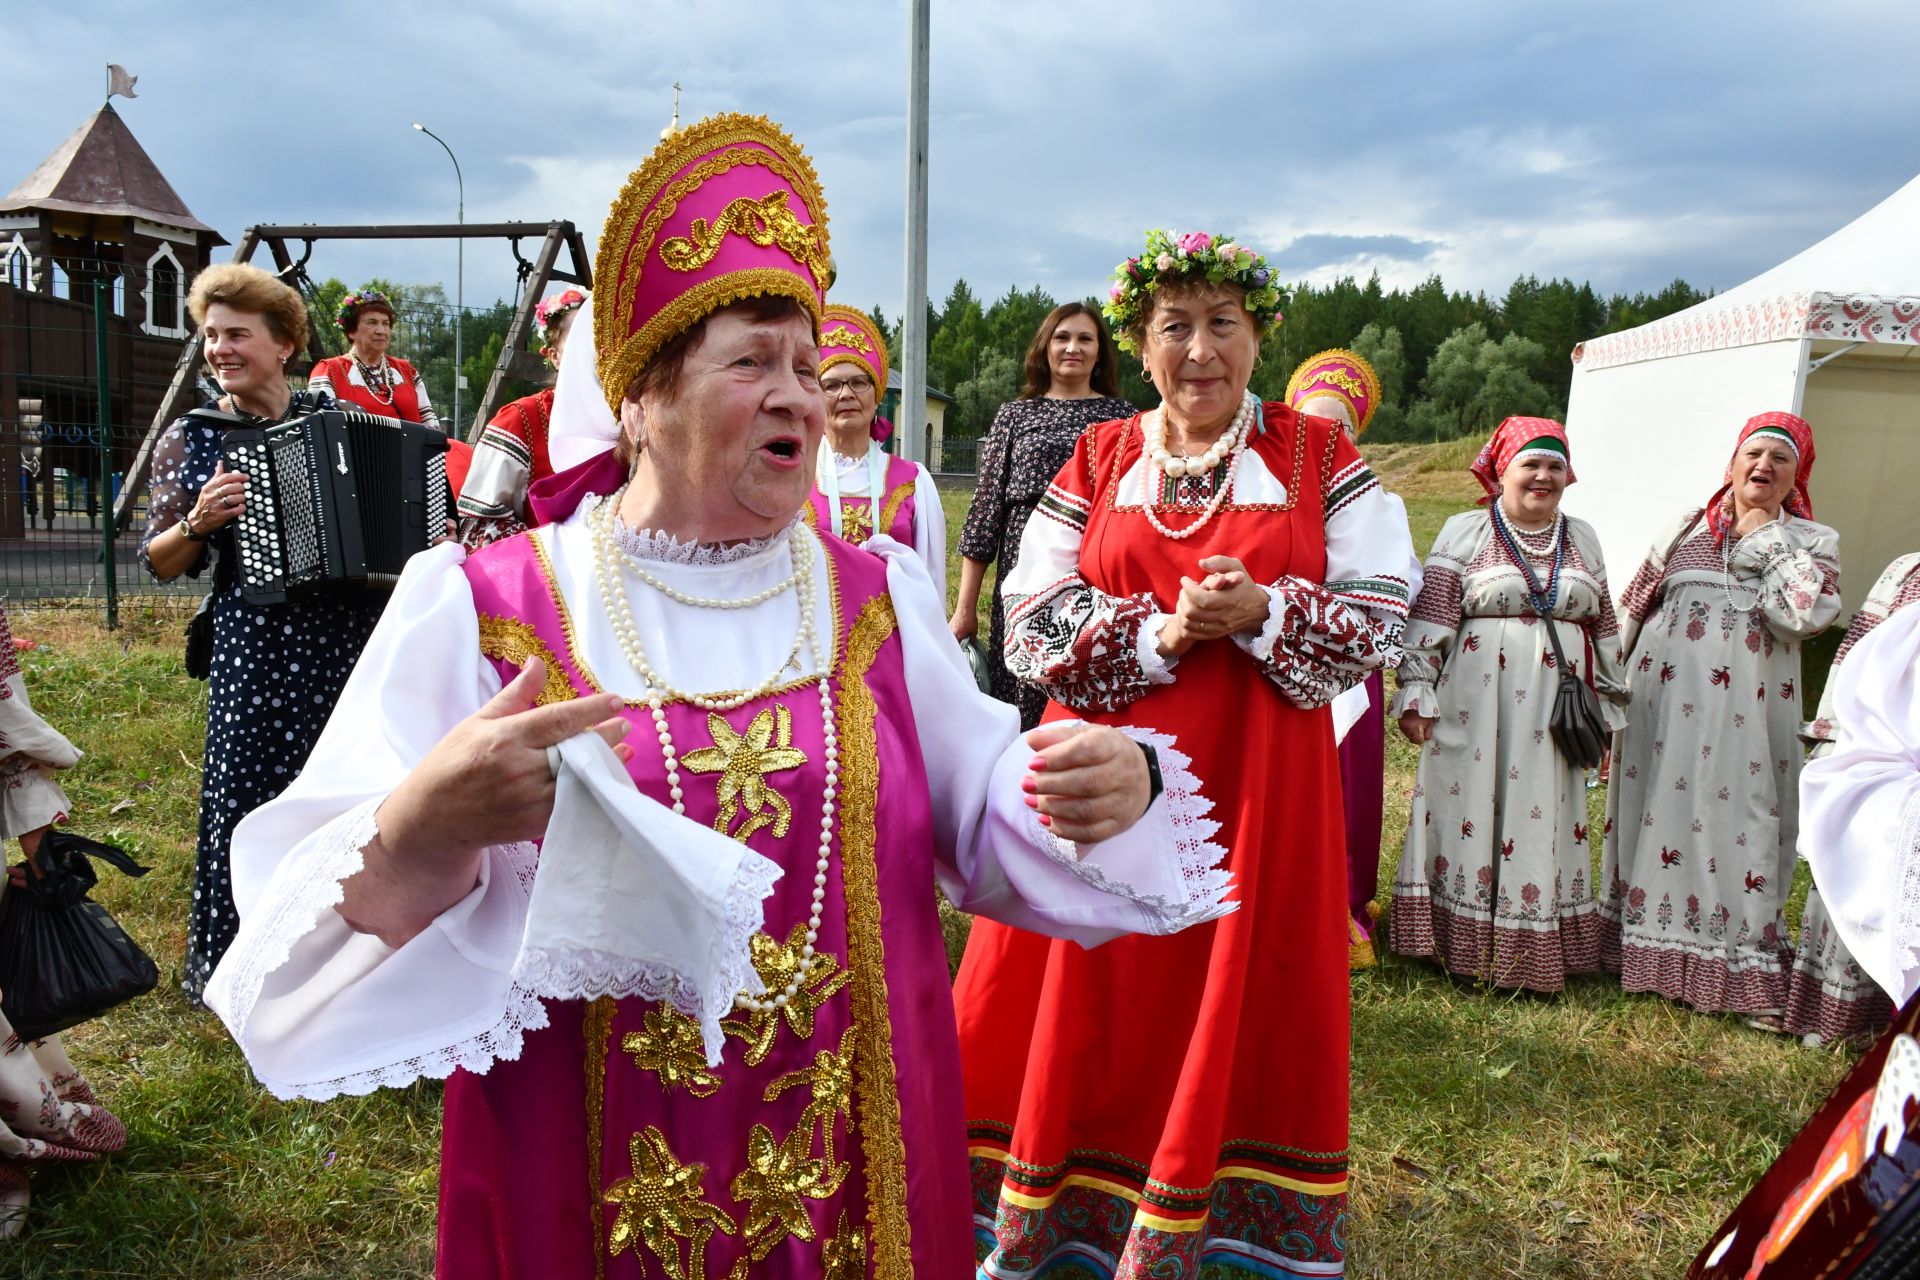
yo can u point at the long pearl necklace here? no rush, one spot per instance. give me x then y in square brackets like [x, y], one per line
[1232, 443]
[658, 692]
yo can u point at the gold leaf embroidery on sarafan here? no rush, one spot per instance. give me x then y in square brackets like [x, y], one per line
[669, 1045]
[743, 762]
[856, 522]
[844, 1256]
[768, 221]
[829, 1083]
[779, 1179]
[820, 978]
[663, 1204]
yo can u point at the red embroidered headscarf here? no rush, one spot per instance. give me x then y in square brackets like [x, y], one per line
[1516, 438]
[1797, 434]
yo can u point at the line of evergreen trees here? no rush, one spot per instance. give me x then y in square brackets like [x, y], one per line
[1451, 364]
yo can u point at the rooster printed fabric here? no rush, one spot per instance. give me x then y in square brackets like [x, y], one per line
[1498, 864]
[1703, 809]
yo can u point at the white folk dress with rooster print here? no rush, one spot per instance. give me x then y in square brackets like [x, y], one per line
[1491, 783]
[1703, 809]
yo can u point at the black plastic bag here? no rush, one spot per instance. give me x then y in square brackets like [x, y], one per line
[63, 958]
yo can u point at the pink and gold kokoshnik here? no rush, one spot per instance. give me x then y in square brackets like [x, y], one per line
[849, 336]
[727, 209]
[1342, 374]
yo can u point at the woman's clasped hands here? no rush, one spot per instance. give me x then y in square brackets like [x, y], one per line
[1223, 603]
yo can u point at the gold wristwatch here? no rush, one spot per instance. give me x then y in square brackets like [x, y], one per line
[186, 529]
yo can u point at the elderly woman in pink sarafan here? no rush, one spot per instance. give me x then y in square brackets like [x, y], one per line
[1341, 385]
[704, 1029]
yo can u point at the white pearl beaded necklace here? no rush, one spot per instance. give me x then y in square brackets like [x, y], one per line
[1232, 441]
[658, 692]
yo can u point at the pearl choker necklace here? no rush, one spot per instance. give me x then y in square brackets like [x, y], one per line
[1232, 443]
[613, 594]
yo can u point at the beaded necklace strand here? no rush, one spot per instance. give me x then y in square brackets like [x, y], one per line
[657, 692]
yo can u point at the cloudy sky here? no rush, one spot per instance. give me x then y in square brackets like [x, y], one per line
[1624, 144]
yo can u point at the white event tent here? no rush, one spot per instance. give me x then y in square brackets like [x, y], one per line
[1832, 334]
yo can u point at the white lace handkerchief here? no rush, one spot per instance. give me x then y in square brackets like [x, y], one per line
[633, 900]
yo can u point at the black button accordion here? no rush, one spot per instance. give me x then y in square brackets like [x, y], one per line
[335, 498]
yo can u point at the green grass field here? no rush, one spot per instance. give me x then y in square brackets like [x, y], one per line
[1589, 1135]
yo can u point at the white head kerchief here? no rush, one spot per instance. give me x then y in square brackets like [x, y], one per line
[582, 427]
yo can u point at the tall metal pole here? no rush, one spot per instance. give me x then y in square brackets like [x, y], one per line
[913, 326]
[104, 418]
[459, 431]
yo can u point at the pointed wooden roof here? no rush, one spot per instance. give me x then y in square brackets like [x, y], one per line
[102, 169]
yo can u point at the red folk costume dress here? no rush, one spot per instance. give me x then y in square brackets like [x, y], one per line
[512, 454]
[1164, 1104]
[396, 391]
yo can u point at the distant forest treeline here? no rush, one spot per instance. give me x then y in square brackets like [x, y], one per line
[1450, 363]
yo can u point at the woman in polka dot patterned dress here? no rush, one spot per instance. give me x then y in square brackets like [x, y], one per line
[276, 670]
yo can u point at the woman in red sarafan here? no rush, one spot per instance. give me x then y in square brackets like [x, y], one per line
[512, 452]
[1222, 569]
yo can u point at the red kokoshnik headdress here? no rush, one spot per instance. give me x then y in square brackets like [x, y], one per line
[1795, 431]
[1516, 438]
[727, 209]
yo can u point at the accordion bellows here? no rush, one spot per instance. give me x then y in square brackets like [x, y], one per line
[334, 498]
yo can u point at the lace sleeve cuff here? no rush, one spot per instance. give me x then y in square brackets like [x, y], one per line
[1169, 893]
[1416, 696]
[1156, 668]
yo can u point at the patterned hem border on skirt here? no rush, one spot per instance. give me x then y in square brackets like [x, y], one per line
[1096, 1216]
[1814, 1009]
[1530, 959]
[1707, 983]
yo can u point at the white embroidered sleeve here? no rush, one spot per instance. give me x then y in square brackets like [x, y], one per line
[994, 857]
[1085, 646]
[1795, 566]
[930, 529]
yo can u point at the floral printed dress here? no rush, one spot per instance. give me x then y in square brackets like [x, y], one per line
[1023, 451]
[1494, 801]
[1703, 810]
[1829, 996]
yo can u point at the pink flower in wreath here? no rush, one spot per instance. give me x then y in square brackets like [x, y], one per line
[1117, 292]
[1195, 242]
[1163, 263]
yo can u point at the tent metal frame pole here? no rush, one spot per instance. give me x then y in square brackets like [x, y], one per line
[1815, 366]
[913, 325]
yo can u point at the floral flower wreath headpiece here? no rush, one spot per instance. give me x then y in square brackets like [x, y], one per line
[354, 303]
[549, 314]
[1193, 256]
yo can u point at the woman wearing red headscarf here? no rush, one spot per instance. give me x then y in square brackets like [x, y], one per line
[1703, 810]
[1496, 878]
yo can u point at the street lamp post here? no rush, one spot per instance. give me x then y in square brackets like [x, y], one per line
[460, 282]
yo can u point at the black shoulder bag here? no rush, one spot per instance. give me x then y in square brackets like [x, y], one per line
[1579, 728]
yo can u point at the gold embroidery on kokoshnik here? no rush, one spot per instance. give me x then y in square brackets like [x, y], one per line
[845, 335]
[662, 1204]
[768, 221]
[743, 762]
[876, 1087]
[515, 642]
[777, 963]
[670, 1046]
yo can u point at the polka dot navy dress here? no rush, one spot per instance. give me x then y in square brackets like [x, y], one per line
[276, 674]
